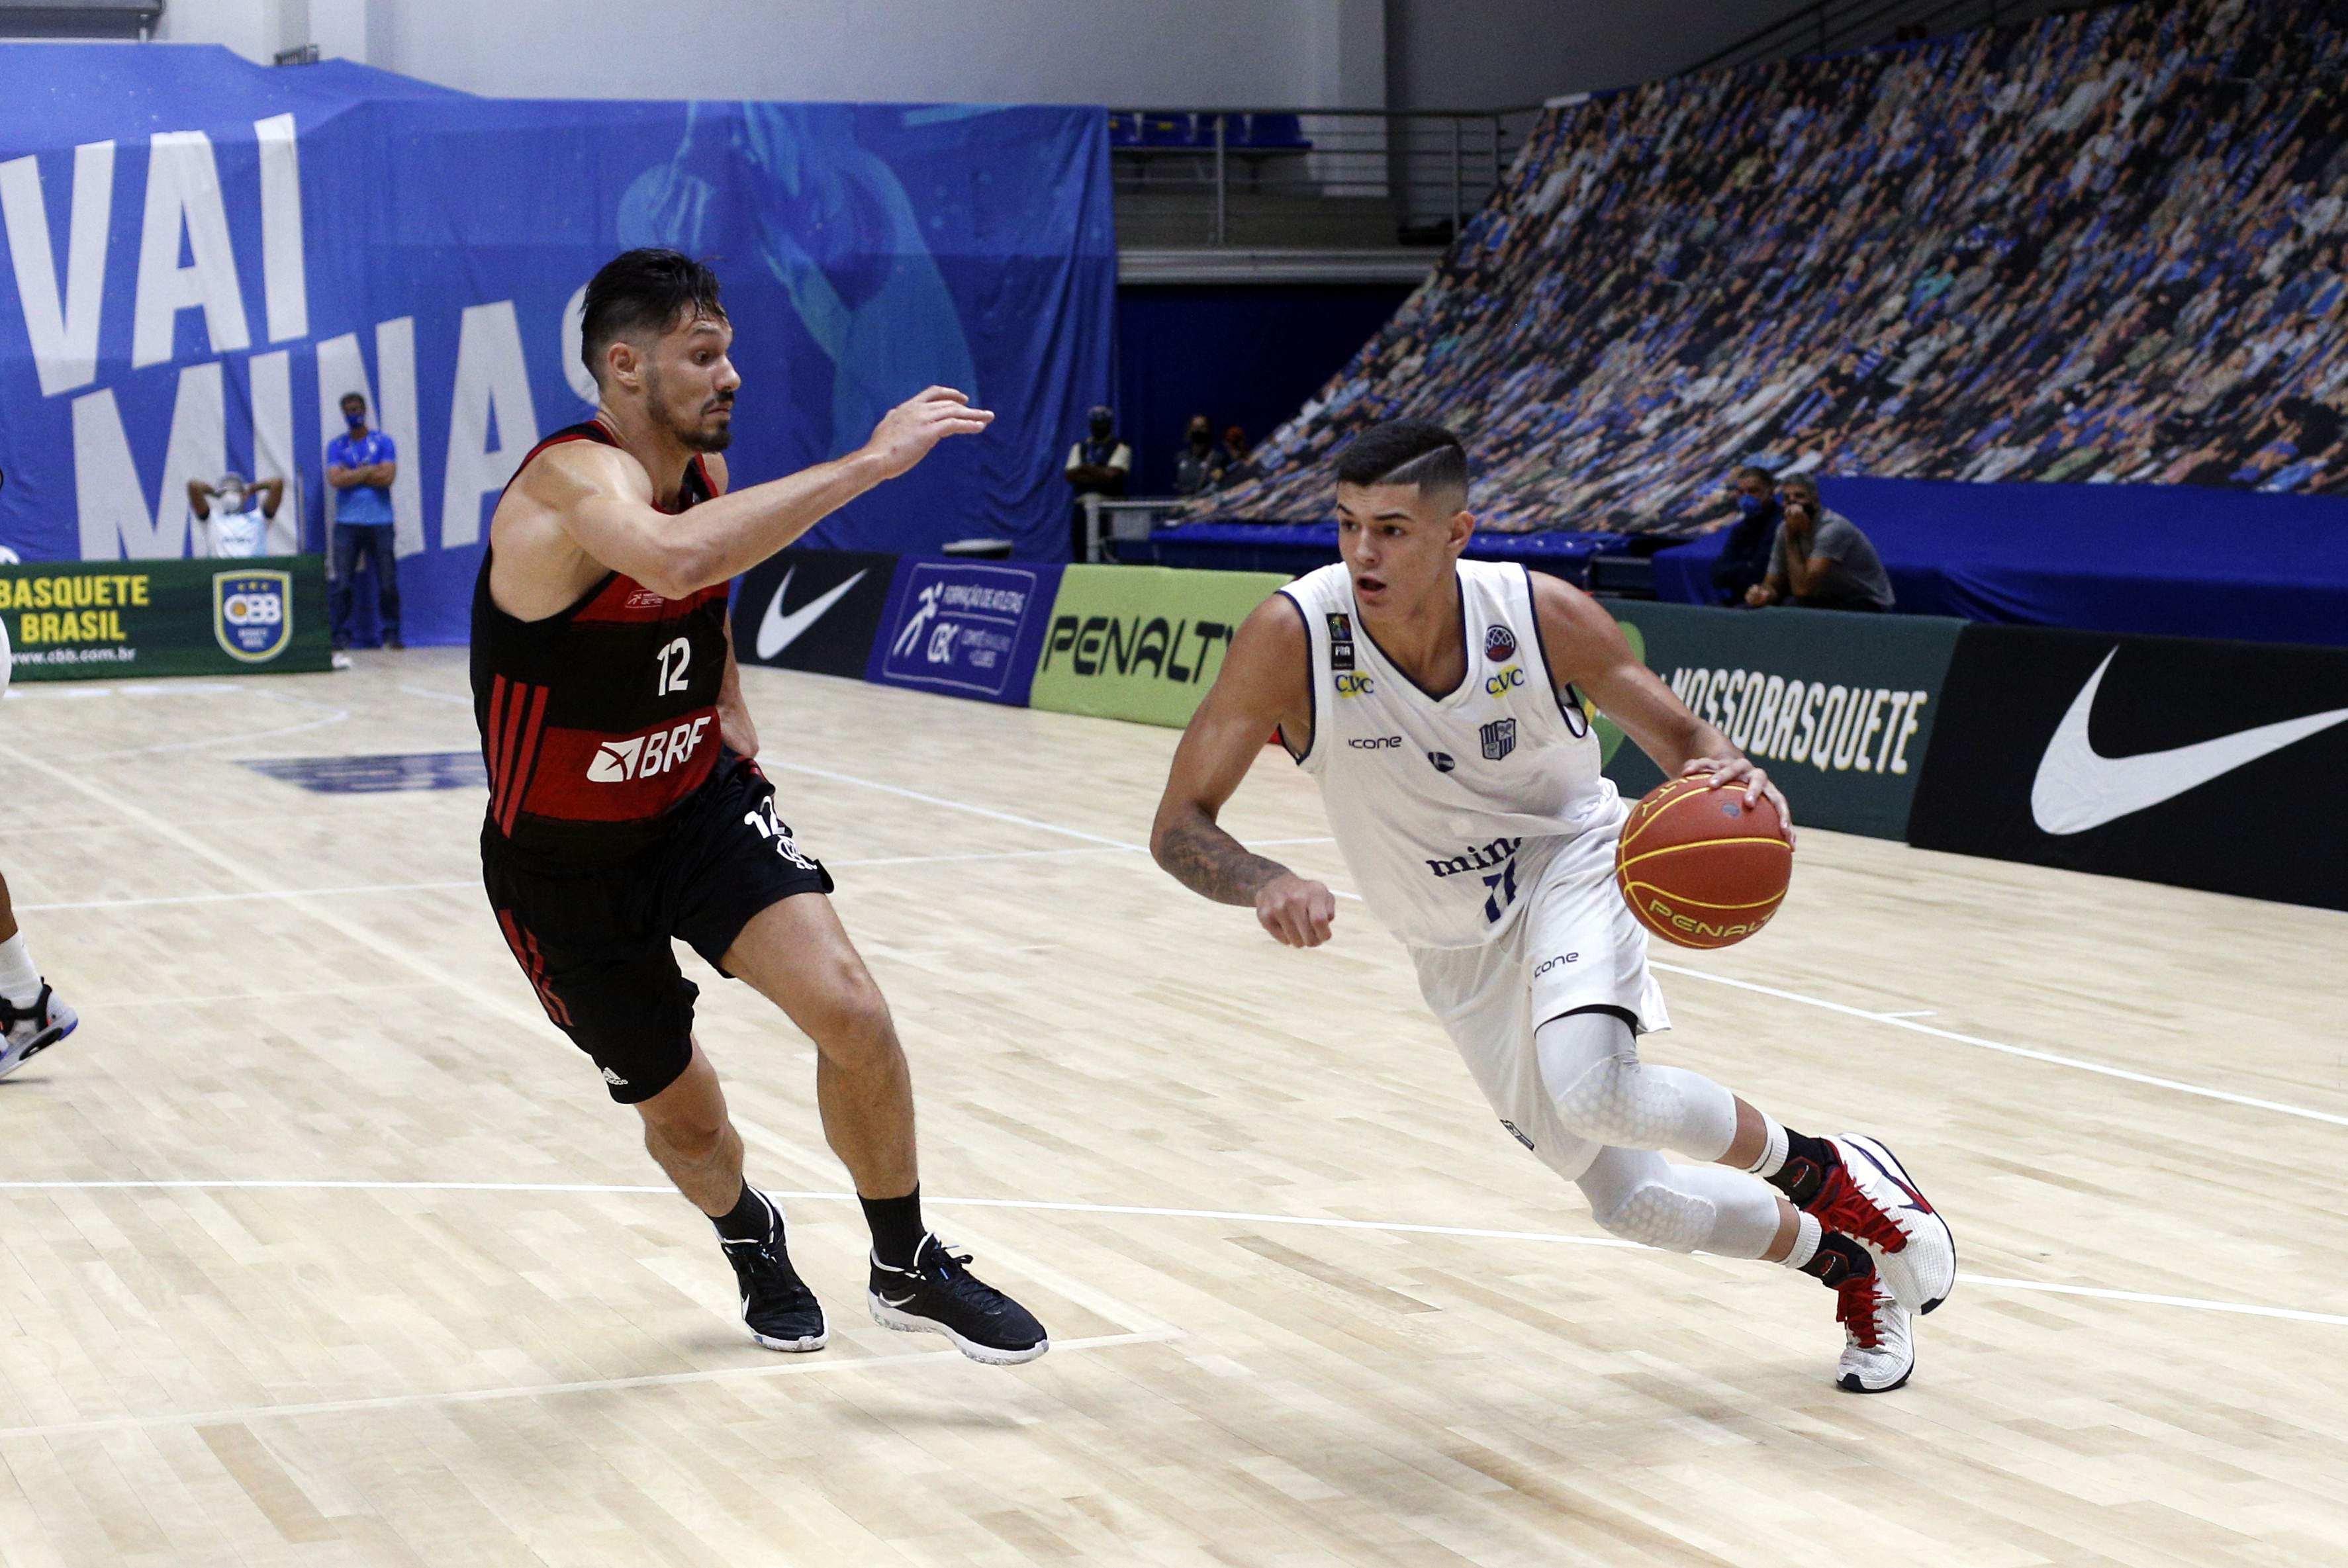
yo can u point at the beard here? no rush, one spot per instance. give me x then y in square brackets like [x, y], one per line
[702, 439]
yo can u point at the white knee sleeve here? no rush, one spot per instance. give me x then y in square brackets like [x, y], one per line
[1603, 1092]
[1640, 1197]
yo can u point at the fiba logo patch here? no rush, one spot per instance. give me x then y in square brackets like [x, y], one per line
[1499, 738]
[1500, 645]
[252, 613]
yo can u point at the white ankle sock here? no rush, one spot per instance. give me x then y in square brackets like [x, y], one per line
[1805, 1241]
[20, 983]
[1773, 1154]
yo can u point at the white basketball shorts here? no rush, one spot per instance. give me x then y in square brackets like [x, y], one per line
[1575, 945]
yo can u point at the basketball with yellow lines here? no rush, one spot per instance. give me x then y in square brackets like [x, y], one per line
[1699, 867]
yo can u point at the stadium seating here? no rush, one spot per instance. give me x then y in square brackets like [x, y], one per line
[2109, 247]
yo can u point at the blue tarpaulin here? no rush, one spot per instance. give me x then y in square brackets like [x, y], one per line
[2166, 559]
[205, 254]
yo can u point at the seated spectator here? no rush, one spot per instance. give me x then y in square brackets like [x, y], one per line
[232, 518]
[1743, 560]
[1098, 465]
[1235, 447]
[1822, 561]
[1199, 467]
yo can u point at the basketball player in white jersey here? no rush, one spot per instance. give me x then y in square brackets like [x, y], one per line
[1439, 702]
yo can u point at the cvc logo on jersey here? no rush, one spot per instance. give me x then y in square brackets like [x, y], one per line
[252, 613]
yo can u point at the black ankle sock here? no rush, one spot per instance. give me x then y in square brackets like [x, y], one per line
[1838, 1258]
[751, 1219]
[896, 1228]
[1807, 1161]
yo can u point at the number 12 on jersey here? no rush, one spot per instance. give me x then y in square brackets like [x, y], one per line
[673, 679]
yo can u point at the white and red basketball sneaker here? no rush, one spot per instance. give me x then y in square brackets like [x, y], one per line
[1878, 1350]
[1869, 1197]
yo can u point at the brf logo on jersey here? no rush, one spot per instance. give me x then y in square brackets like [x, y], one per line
[646, 756]
[1500, 645]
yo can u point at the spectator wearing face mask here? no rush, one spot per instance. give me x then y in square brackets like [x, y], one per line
[1743, 560]
[232, 518]
[1097, 465]
[1199, 467]
[361, 465]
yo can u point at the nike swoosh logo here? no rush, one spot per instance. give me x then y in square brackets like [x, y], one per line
[900, 1302]
[2078, 789]
[778, 631]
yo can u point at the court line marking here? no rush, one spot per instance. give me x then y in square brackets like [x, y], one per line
[1316, 1222]
[799, 1368]
[1897, 1021]
[1901, 1021]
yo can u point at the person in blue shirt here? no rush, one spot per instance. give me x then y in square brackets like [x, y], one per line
[361, 464]
[1745, 559]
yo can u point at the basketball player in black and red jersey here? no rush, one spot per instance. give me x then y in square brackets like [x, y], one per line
[626, 806]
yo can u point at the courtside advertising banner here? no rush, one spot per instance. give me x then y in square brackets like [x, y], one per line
[1142, 643]
[1839, 707]
[86, 621]
[814, 610]
[966, 628]
[2204, 764]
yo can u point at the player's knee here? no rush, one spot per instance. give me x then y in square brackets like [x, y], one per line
[1655, 1216]
[853, 1020]
[692, 1134]
[1619, 1103]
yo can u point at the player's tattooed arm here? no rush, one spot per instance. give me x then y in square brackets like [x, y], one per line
[1262, 687]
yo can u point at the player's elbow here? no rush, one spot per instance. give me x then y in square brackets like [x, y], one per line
[680, 571]
[1175, 819]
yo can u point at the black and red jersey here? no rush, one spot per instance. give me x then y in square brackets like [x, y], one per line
[597, 722]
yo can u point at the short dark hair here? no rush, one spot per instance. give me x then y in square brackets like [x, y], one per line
[357, 397]
[1752, 472]
[643, 290]
[1406, 452]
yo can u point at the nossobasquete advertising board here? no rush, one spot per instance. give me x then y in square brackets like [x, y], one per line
[967, 628]
[814, 610]
[1142, 643]
[93, 620]
[1839, 707]
[2198, 763]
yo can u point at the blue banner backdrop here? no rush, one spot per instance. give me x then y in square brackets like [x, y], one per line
[206, 254]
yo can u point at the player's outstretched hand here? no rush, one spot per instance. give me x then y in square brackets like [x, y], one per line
[1727, 770]
[907, 432]
[1297, 912]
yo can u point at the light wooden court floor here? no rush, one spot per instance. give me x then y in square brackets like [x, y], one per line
[319, 1246]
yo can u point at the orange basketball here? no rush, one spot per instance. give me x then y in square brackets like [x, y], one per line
[1700, 868]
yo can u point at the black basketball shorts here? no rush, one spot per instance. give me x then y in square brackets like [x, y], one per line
[595, 943]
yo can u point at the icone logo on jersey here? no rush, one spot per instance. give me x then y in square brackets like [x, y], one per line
[1375, 742]
[1356, 685]
[1500, 645]
[646, 756]
[1499, 685]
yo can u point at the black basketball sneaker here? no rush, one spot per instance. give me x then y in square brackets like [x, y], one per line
[782, 1313]
[939, 1294]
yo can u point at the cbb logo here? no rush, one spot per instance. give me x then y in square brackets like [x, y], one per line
[253, 609]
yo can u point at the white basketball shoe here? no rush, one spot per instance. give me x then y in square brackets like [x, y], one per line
[1878, 1351]
[26, 1032]
[1871, 1198]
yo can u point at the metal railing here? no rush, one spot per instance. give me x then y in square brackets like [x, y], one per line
[1832, 26]
[1230, 177]
[1108, 519]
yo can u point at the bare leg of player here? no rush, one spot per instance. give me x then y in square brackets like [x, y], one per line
[798, 956]
[687, 1132]
[32, 1019]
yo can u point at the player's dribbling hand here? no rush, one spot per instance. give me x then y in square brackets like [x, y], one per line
[1297, 912]
[1727, 770]
[907, 432]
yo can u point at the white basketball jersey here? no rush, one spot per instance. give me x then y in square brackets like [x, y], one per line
[1446, 805]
